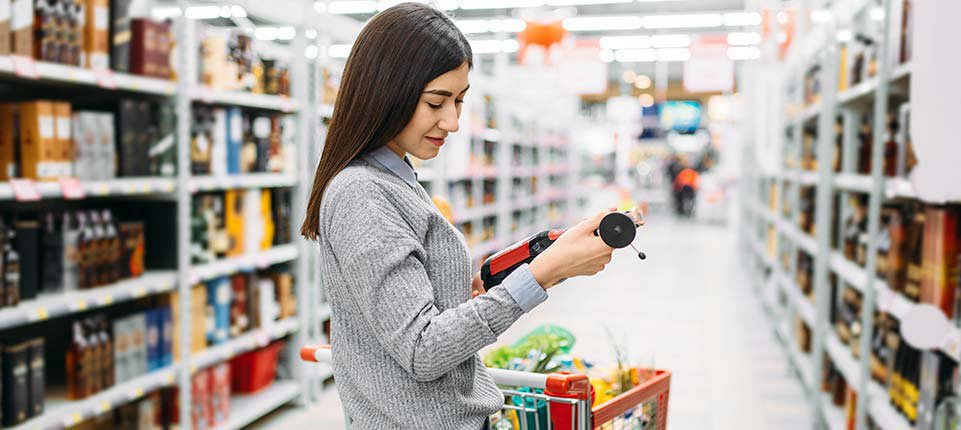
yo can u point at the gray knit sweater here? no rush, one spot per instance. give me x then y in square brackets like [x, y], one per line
[405, 331]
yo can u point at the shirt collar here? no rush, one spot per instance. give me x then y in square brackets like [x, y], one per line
[387, 159]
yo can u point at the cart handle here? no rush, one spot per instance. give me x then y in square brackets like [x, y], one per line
[571, 384]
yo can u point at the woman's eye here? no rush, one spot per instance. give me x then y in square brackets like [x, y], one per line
[459, 101]
[433, 106]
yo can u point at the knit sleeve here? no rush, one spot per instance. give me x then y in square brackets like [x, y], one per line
[379, 255]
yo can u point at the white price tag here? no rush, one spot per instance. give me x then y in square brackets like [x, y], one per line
[47, 128]
[101, 18]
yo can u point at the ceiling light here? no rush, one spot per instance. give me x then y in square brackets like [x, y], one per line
[469, 26]
[646, 100]
[742, 39]
[508, 25]
[625, 42]
[628, 76]
[820, 16]
[635, 55]
[238, 11]
[607, 55]
[351, 7]
[673, 54]
[202, 12]
[876, 13]
[683, 21]
[743, 53]
[161, 13]
[584, 2]
[499, 4]
[738, 19]
[642, 82]
[845, 35]
[311, 52]
[320, 7]
[494, 46]
[602, 23]
[671, 41]
[310, 33]
[338, 51]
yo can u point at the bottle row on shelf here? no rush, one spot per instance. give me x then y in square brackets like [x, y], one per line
[238, 222]
[52, 253]
[231, 141]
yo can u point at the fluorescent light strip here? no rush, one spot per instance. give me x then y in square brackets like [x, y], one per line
[673, 54]
[161, 13]
[473, 26]
[704, 20]
[603, 23]
[499, 4]
[607, 55]
[584, 2]
[494, 46]
[625, 42]
[351, 7]
[670, 41]
[743, 39]
[743, 53]
[338, 51]
[202, 12]
[275, 33]
[508, 25]
[740, 19]
[821, 16]
[635, 55]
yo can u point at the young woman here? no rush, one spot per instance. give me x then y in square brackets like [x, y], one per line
[406, 327]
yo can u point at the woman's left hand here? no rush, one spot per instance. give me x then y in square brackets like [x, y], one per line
[476, 286]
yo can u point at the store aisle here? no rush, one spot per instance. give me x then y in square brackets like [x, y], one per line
[687, 308]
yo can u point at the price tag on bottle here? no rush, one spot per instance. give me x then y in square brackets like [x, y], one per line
[25, 67]
[72, 189]
[24, 190]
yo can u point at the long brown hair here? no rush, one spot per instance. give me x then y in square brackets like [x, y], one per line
[396, 54]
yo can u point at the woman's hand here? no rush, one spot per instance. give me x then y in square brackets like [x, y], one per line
[577, 252]
[476, 286]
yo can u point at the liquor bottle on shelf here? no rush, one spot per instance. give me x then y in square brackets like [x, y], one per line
[891, 146]
[77, 364]
[865, 139]
[113, 249]
[98, 250]
[11, 269]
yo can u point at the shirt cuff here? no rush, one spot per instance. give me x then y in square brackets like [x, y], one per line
[524, 289]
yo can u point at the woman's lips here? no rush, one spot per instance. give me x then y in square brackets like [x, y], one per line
[438, 142]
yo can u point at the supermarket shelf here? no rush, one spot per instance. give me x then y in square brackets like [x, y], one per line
[112, 187]
[207, 95]
[880, 408]
[759, 249]
[485, 248]
[249, 341]
[523, 171]
[54, 73]
[250, 180]
[803, 305]
[811, 112]
[893, 187]
[843, 359]
[474, 213]
[866, 89]
[323, 313]
[247, 408]
[325, 110]
[803, 177]
[801, 363]
[243, 263]
[833, 415]
[889, 300]
[52, 306]
[552, 196]
[61, 413]
[797, 236]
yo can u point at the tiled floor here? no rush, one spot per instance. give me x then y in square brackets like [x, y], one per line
[688, 308]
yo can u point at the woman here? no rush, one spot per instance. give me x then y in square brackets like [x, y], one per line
[406, 329]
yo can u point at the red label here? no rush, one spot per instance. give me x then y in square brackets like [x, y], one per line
[24, 190]
[25, 67]
[105, 78]
[509, 257]
[71, 188]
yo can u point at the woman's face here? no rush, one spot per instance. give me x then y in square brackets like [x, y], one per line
[436, 116]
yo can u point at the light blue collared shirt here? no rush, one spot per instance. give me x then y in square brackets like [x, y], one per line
[520, 284]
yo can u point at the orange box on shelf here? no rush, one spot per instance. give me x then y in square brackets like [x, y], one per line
[234, 221]
[38, 140]
[9, 139]
[96, 34]
[64, 138]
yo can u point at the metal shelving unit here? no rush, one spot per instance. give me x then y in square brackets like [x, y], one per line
[775, 222]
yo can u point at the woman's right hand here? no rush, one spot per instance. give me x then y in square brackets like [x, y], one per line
[577, 252]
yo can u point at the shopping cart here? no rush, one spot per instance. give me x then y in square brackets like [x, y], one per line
[560, 401]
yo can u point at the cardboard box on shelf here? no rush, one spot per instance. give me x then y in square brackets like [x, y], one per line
[37, 140]
[4, 27]
[64, 138]
[9, 140]
[96, 34]
[21, 27]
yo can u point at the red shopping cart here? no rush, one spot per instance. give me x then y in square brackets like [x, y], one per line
[562, 401]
